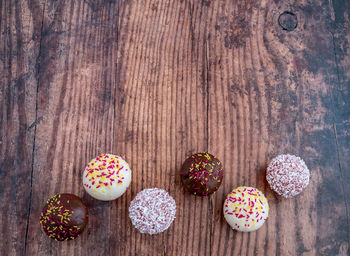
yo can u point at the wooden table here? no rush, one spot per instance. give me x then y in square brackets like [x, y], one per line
[155, 81]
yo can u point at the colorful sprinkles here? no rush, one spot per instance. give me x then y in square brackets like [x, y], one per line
[202, 174]
[107, 177]
[58, 218]
[246, 209]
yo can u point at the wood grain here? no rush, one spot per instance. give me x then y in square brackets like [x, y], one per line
[156, 81]
[76, 102]
[268, 88]
[341, 97]
[161, 118]
[19, 43]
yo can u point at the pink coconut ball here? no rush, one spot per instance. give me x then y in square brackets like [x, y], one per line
[152, 211]
[287, 175]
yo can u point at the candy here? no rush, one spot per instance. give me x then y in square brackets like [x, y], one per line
[152, 211]
[107, 177]
[202, 174]
[287, 175]
[246, 209]
[64, 217]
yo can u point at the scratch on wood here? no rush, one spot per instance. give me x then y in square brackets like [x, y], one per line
[332, 10]
[35, 123]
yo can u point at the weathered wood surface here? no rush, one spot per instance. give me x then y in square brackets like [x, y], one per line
[155, 81]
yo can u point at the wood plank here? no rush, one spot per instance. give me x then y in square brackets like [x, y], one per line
[269, 94]
[340, 30]
[76, 102]
[155, 81]
[161, 117]
[20, 24]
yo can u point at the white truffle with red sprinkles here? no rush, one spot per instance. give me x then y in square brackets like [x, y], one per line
[246, 209]
[152, 211]
[287, 175]
[107, 177]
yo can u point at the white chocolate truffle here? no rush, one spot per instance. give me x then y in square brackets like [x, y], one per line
[246, 209]
[107, 177]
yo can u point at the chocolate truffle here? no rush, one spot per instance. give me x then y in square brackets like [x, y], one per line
[246, 209]
[107, 177]
[202, 174]
[287, 175]
[64, 217]
[152, 211]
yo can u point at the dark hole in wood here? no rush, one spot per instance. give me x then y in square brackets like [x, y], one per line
[288, 21]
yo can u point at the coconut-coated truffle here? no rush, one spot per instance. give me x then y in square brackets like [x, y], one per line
[152, 211]
[287, 175]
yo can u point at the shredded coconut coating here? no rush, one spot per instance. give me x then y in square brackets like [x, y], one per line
[152, 211]
[287, 175]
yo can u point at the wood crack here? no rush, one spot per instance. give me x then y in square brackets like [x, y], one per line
[207, 131]
[37, 120]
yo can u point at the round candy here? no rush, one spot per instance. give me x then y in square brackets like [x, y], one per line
[202, 174]
[246, 209]
[64, 217]
[287, 175]
[107, 177]
[152, 211]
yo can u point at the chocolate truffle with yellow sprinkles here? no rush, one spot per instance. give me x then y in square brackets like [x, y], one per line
[202, 174]
[64, 217]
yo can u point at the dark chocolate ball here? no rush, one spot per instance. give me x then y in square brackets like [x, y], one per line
[202, 174]
[64, 217]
